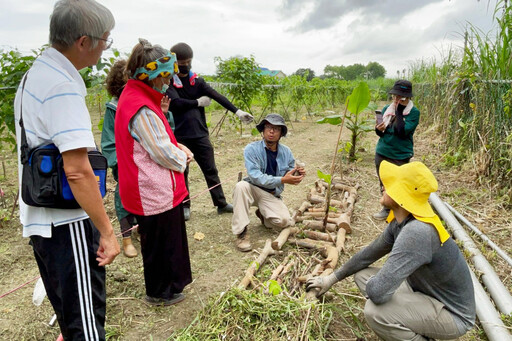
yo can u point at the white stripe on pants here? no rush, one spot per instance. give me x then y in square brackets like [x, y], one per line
[83, 278]
[245, 195]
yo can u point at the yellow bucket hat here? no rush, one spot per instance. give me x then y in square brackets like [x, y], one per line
[410, 186]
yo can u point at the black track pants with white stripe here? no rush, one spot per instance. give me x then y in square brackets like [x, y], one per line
[74, 282]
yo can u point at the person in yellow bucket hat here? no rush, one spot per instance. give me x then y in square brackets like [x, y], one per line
[424, 288]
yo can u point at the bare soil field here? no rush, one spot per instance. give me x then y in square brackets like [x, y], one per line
[216, 264]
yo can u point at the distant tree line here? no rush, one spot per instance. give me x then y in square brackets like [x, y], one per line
[372, 70]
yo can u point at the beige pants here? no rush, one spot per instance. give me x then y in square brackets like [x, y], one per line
[408, 315]
[273, 210]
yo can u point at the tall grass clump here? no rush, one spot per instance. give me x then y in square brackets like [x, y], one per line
[468, 97]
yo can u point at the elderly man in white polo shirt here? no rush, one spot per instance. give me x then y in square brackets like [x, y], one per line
[71, 246]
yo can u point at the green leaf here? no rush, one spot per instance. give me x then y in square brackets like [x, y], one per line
[333, 119]
[100, 124]
[274, 288]
[326, 177]
[255, 132]
[347, 147]
[359, 99]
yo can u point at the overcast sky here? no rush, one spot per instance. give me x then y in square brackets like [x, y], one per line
[281, 34]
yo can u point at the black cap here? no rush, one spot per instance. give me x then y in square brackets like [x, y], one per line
[402, 88]
[274, 119]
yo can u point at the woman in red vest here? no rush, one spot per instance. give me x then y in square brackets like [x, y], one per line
[151, 165]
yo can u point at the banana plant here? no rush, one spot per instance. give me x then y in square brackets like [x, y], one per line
[355, 104]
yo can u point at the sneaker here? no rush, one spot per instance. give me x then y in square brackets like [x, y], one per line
[242, 241]
[186, 213]
[158, 301]
[225, 209]
[382, 215]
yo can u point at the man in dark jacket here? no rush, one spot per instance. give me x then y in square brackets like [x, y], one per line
[189, 94]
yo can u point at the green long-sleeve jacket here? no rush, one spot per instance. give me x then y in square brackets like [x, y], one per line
[398, 143]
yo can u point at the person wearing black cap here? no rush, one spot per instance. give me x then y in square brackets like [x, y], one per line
[269, 165]
[396, 131]
[189, 95]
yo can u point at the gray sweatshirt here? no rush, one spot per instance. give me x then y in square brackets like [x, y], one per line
[416, 255]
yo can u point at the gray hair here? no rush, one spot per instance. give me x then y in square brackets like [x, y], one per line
[72, 19]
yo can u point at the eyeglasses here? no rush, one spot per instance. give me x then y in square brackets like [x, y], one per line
[108, 41]
[402, 98]
[272, 128]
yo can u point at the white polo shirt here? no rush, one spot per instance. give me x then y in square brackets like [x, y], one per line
[54, 111]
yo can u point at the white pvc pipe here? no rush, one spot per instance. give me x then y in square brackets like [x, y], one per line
[499, 293]
[480, 234]
[487, 314]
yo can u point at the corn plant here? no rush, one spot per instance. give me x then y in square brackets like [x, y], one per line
[468, 96]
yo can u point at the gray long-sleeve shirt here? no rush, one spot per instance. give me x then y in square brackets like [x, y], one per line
[416, 255]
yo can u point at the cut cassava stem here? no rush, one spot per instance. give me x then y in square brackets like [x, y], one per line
[255, 265]
[319, 225]
[340, 240]
[278, 243]
[279, 269]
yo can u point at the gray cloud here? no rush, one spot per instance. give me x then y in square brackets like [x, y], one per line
[326, 13]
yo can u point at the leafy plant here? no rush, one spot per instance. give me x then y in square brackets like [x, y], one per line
[244, 74]
[356, 103]
[13, 66]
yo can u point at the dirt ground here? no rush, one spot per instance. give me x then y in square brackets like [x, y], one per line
[216, 264]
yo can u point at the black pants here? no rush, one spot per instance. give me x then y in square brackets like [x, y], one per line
[164, 248]
[74, 282]
[203, 154]
[379, 158]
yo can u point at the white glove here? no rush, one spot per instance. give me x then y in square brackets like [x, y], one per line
[204, 101]
[321, 283]
[245, 117]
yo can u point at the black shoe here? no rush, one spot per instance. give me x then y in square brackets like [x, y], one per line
[226, 209]
[186, 213]
[259, 215]
[158, 301]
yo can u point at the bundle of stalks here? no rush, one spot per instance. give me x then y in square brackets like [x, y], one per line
[253, 315]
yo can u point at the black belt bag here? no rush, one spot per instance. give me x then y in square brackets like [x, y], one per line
[44, 183]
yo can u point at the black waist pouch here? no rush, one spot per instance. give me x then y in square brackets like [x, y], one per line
[44, 183]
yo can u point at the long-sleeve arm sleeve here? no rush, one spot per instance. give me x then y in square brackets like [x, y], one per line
[108, 143]
[179, 105]
[257, 176]
[405, 125]
[367, 256]
[210, 92]
[147, 129]
[405, 257]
